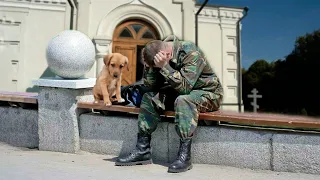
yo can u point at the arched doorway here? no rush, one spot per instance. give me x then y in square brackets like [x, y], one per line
[128, 39]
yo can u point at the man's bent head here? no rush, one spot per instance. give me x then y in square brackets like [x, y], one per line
[150, 50]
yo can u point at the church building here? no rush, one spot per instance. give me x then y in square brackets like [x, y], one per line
[124, 26]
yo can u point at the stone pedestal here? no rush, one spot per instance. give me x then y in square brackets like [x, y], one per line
[58, 115]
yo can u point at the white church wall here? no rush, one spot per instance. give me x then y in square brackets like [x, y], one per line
[25, 30]
[209, 40]
[172, 10]
[40, 30]
[98, 10]
[216, 31]
[218, 39]
[32, 24]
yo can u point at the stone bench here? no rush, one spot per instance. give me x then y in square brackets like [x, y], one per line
[20, 97]
[19, 119]
[257, 119]
[267, 149]
[24, 100]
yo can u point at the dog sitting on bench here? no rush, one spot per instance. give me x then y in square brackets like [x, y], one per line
[108, 83]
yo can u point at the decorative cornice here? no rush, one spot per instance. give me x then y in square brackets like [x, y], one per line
[53, 5]
[102, 44]
[207, 12]
[39, 1]
[102, 40]
[141, 11]
[219, 15]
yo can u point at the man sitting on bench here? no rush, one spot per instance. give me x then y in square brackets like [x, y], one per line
[192, 87]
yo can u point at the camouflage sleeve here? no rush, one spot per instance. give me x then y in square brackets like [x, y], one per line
[184, 80]
[151, 78]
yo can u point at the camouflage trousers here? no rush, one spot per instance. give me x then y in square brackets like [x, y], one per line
[186, 107]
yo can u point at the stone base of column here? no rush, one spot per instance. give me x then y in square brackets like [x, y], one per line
[58, 115]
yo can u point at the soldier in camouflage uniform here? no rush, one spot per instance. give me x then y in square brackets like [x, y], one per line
[191, 87]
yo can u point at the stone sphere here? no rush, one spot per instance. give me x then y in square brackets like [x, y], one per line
[70, 54]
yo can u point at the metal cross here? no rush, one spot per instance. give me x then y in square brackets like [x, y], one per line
[254, 95]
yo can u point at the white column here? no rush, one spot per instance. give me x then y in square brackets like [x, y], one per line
[188, 19]
[102, 49]
[229, 58]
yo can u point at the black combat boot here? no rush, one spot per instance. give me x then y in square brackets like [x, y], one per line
[183, 161]
[140, 156]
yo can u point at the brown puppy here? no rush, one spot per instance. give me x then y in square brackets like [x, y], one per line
[108, 82]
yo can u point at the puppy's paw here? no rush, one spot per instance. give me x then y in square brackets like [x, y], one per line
[121, 100]
[96, 101]
[107, 103]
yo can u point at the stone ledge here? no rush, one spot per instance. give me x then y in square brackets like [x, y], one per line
[237, 147]
[58, 82]
[19, 127]
[295, 152]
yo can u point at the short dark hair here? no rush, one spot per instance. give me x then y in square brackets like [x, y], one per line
[150, 50]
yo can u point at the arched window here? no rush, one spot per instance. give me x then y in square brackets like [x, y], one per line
[135, 30]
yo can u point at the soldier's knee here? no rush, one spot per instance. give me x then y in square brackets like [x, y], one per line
[182, 99]
[146, 100]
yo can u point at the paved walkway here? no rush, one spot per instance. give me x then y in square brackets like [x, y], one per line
[25, 164]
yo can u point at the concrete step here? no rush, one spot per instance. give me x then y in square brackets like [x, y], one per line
[21, 163]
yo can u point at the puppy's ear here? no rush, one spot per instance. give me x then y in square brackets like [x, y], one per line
[107, 58]
[126, 62]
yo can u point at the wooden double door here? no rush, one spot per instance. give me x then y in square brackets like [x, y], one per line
[129, 38]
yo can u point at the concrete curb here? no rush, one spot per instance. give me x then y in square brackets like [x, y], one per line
[237, 147]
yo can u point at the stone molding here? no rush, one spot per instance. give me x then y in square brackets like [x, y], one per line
[136, 9]
[102, 45]
[38, 1]
[219, 15]
[53, 5]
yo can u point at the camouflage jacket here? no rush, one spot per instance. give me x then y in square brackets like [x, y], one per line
[187, 70]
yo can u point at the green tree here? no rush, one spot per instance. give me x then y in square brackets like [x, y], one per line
[303, 64]
[289, 85]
